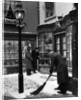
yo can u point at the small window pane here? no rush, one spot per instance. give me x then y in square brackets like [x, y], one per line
[58, 47]
[58, 40]
[68, 38]
[7, 55]
[64, 46]
[15, 44]
[68, 55]
[58, 51]
[68, 63]
[4, 55]
[64, 53]
[16, 55]
[64, 39]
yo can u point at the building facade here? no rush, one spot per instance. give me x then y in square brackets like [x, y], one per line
[58, 32]
[10, 31]
[51, 30]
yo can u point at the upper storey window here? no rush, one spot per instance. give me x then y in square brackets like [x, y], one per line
[49, 7]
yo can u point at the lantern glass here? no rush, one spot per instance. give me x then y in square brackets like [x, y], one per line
[19, 15]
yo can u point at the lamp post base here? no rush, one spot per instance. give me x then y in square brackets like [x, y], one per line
[20, 77]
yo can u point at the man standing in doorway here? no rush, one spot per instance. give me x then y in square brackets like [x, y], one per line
[35, 55]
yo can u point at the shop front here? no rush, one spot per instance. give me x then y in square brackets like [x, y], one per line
[11, 50]
[18, 29]
[51, 37]
[45, 44]
[64, 40]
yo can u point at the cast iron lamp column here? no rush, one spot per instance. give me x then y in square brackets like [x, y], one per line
[19, 14]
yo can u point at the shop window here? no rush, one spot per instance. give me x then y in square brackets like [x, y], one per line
[60, 44]
[69, 49]
[49, 9]
[45, 43]
[64, 46]
[11, 54]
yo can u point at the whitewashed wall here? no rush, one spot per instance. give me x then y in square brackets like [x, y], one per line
[41, 12]
[61, 9]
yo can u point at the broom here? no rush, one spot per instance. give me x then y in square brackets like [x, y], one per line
[40, 88]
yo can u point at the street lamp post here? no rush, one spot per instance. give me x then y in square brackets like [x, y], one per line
[19, 14]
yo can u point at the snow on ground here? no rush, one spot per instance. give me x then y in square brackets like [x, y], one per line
[31, 83]
[11, 86]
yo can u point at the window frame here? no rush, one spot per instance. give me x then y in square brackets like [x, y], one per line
[49, 11]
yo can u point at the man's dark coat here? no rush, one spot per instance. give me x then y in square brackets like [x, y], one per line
[58, 62]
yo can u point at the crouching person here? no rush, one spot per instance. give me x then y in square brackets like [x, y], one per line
[58, 62]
